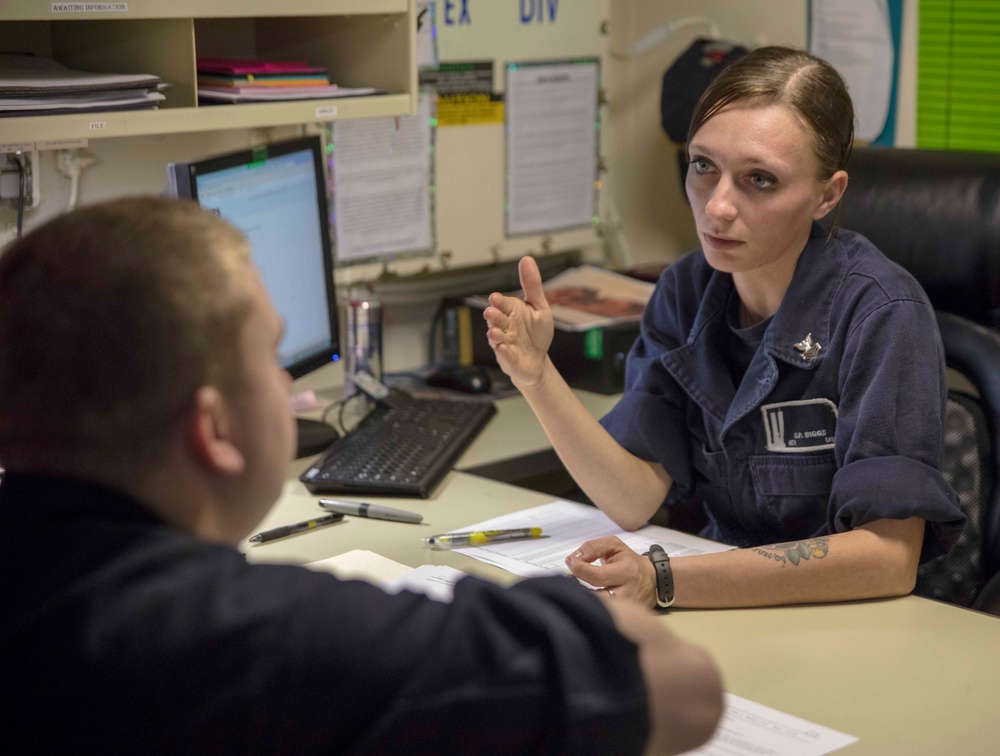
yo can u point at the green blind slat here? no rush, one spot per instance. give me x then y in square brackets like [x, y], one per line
[958, 75]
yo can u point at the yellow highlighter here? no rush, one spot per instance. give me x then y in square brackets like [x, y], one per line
[480, 537]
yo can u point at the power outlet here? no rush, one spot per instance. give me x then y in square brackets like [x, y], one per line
[10, 180]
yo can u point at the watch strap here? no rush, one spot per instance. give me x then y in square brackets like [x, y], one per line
[664, 575]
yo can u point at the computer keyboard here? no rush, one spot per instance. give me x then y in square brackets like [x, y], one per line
[401, 448]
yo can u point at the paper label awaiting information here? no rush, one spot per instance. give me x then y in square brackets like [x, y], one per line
[90, 7]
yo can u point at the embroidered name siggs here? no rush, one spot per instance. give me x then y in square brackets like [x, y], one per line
[804, 425]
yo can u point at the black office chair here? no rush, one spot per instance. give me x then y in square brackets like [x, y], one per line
[971, 463]
[937, 214]
[988, 599]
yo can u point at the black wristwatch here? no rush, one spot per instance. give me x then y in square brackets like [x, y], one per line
[664, 575]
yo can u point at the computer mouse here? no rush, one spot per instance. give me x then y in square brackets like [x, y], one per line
[469, 379]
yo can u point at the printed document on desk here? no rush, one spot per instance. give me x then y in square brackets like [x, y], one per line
[751, 729]
[434, 580]
[565, 525]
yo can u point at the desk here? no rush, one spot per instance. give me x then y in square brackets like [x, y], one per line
[907, 676]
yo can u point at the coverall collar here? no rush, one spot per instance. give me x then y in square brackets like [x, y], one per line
[804, 311]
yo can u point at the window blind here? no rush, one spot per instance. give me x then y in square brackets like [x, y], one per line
[958, 75]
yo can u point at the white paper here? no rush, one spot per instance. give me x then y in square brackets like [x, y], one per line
[751, 729]
[427, 50]
[264, 94]
[91, 101]
[855, 36]
[552, 134]
[361, 564]
[565, 525]
[29, 73]
[382, 184]
[434, 580]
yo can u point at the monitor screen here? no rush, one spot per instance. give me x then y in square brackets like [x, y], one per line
[276, 195]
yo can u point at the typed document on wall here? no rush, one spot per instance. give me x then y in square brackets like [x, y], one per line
[552, 146]
[382, 174]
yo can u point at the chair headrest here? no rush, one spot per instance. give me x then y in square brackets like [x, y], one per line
[936, 213]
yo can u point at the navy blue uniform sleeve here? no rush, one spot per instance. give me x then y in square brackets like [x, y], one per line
[650, 419]
[537, 668]
[890, 426]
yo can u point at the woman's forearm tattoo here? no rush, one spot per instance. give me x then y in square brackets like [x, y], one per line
[795, 551]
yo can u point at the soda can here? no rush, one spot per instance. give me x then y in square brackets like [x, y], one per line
[363, 330]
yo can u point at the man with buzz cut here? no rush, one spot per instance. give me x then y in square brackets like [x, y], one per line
[145, 432]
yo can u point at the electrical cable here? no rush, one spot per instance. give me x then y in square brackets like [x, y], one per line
[329, 407]
[648, 41]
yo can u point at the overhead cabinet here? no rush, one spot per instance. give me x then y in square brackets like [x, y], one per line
[361, 43]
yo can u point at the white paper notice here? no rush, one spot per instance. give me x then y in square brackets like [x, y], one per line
[427, 52]
[751, 729]
[552, 131]
[565, 525]
[856, 38]
[382, 184]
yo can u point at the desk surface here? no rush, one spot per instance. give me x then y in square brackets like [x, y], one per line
[906, 676]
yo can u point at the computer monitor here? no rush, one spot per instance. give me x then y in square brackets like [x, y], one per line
[276, 195]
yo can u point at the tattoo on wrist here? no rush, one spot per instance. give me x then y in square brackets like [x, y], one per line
[795, 551]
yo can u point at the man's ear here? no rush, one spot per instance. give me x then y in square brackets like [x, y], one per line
[833, 190]
[211, 433]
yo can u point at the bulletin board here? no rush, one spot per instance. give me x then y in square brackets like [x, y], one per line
[475, 40]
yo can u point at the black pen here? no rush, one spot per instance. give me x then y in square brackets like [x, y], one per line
[287, 530]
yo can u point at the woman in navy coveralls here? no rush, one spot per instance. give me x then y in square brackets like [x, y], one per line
[789, 378]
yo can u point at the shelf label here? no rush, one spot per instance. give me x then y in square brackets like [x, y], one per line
[90, 7]
[326, 111]
[61, 144]
[16, 147]
[98, 125]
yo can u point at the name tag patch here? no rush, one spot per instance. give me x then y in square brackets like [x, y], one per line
[805, 425]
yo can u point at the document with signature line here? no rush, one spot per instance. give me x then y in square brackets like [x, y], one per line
[752, 729]
[565, 525]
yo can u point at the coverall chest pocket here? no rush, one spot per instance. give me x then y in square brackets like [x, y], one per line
[794, 489]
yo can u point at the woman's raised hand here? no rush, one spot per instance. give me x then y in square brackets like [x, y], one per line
[520, 331]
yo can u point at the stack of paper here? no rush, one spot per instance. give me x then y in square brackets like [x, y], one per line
[32, 85]
[229, 80]
[434, 580]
